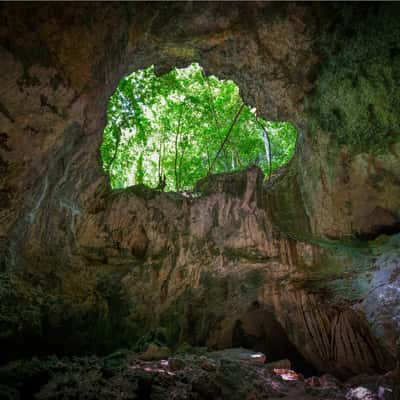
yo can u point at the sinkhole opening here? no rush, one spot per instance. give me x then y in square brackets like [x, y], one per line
[169, 131]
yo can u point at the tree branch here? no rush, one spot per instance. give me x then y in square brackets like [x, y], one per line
[226, 137]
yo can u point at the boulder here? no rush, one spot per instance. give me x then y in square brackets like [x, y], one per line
[176, 363]
[155, 352]
[361, 393]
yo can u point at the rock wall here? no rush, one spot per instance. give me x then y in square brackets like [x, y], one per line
[87, 269]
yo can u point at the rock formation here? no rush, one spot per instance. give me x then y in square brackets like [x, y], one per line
[84, 269]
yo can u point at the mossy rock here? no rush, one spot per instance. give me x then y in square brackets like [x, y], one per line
[384, 243]
[234, 183]
[27, 376]
[186, 348]
[155, 352]
[357, 97]
[157, 337]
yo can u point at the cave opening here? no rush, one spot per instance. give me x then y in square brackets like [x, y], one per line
[169, 131]
[88, 274]
[258, 330]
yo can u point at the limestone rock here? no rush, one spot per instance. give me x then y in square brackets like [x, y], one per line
[155, 352]
[360, 393]
[86, 269]
[176, 363]
[207, 364]
[241, 354]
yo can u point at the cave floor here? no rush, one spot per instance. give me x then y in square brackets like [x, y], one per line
[225, 374]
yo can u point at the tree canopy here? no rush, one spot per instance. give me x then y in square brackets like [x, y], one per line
[169, 131]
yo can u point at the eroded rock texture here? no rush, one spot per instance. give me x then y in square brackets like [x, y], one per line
[227, 374]
[84, 269]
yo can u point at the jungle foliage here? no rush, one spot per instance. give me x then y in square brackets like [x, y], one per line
[169, 131]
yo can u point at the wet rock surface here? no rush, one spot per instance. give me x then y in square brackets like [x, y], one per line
[222, 375]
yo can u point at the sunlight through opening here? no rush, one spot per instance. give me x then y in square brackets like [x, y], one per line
[169, 131]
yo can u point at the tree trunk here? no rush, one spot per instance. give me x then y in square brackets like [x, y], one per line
[115, 152]
[267, 144]
[227, 136]
[177, 135]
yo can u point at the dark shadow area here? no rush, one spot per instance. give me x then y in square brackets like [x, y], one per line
[381, 230]
[258, 330]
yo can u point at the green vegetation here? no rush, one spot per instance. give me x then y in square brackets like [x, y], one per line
[169, 131]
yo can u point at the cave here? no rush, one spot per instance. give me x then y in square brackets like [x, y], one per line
[259, 330]
[139, 293]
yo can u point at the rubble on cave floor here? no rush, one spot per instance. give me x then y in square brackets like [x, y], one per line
[234, 374]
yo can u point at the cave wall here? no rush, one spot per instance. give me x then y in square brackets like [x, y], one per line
[93, 269]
